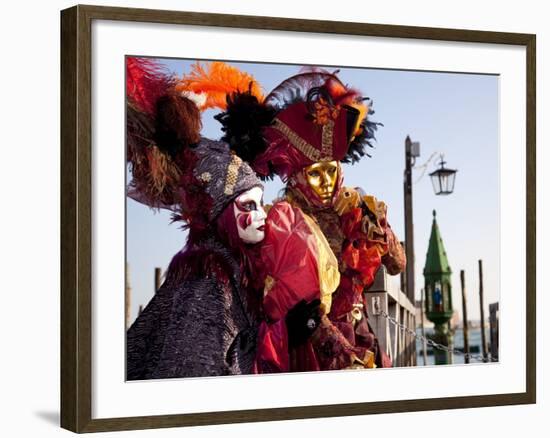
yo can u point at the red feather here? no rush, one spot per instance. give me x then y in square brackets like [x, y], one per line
[146, 81]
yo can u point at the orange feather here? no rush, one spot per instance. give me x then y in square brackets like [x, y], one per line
[218, 80]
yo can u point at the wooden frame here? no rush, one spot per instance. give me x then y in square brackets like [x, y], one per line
[76, 174]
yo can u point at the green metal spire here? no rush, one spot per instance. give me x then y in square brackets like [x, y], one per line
[436, 259]
[438, 290]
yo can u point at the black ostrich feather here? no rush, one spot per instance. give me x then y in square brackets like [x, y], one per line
[365, 139]
[242, 124]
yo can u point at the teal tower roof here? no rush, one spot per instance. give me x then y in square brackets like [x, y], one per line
[436, 258]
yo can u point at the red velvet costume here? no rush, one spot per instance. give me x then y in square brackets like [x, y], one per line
[354, 225]
[362, 242]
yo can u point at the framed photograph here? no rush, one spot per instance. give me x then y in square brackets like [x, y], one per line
[268, 219]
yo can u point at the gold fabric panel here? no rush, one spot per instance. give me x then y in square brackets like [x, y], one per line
[327, 264]
[232, 174]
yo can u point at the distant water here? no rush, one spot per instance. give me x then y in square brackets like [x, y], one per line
[475, 341]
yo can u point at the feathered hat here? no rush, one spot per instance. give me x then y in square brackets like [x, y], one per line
[318, 119]
[309, 117]
[172, 166]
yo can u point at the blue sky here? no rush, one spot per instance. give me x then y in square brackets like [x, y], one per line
[451, 113]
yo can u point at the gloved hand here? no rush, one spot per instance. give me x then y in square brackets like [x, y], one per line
[301, 321]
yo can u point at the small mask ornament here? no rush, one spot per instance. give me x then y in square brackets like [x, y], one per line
[322, 178]
[250, 215]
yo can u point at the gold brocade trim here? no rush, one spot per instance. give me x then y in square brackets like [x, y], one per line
[326, 141]
[368, 360]
[232, 174]
[374, 230]
[298, 142]
[327, 265]
[360, 364]
[347, 200]
[377, 207]
[269, 282]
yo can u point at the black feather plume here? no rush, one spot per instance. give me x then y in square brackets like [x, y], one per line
[365, 139]
[242, 124]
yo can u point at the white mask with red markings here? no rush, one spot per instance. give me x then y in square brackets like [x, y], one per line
[250, 215]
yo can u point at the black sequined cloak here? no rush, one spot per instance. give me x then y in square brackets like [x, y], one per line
[200, 326]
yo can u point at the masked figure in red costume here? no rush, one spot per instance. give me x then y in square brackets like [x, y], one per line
[202, 321]
[324, 242]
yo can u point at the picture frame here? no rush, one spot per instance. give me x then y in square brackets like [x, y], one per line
[77, 235]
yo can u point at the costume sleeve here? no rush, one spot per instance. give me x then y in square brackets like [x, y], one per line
[272, 353]
[145, 337]
[332, 349]
[194, 343]
[299, 266]
[371, 241]
[188, 333]
[298, 262]
[393, 255]
[395, 259]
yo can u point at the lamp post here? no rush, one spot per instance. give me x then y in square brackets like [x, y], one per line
[412, 151]
[443, 180]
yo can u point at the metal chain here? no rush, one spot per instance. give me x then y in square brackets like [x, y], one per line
[434, 344]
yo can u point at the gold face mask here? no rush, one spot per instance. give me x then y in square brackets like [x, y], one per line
[322, 178]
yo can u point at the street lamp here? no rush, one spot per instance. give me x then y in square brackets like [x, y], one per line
[443, 179]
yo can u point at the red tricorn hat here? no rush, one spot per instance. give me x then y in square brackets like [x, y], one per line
[303, 134]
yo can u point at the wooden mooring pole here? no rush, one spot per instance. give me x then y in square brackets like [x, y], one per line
[465, 332]
[127, 298]
[158, 275]
[482, 313]
[493, 324]
[422, 312]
